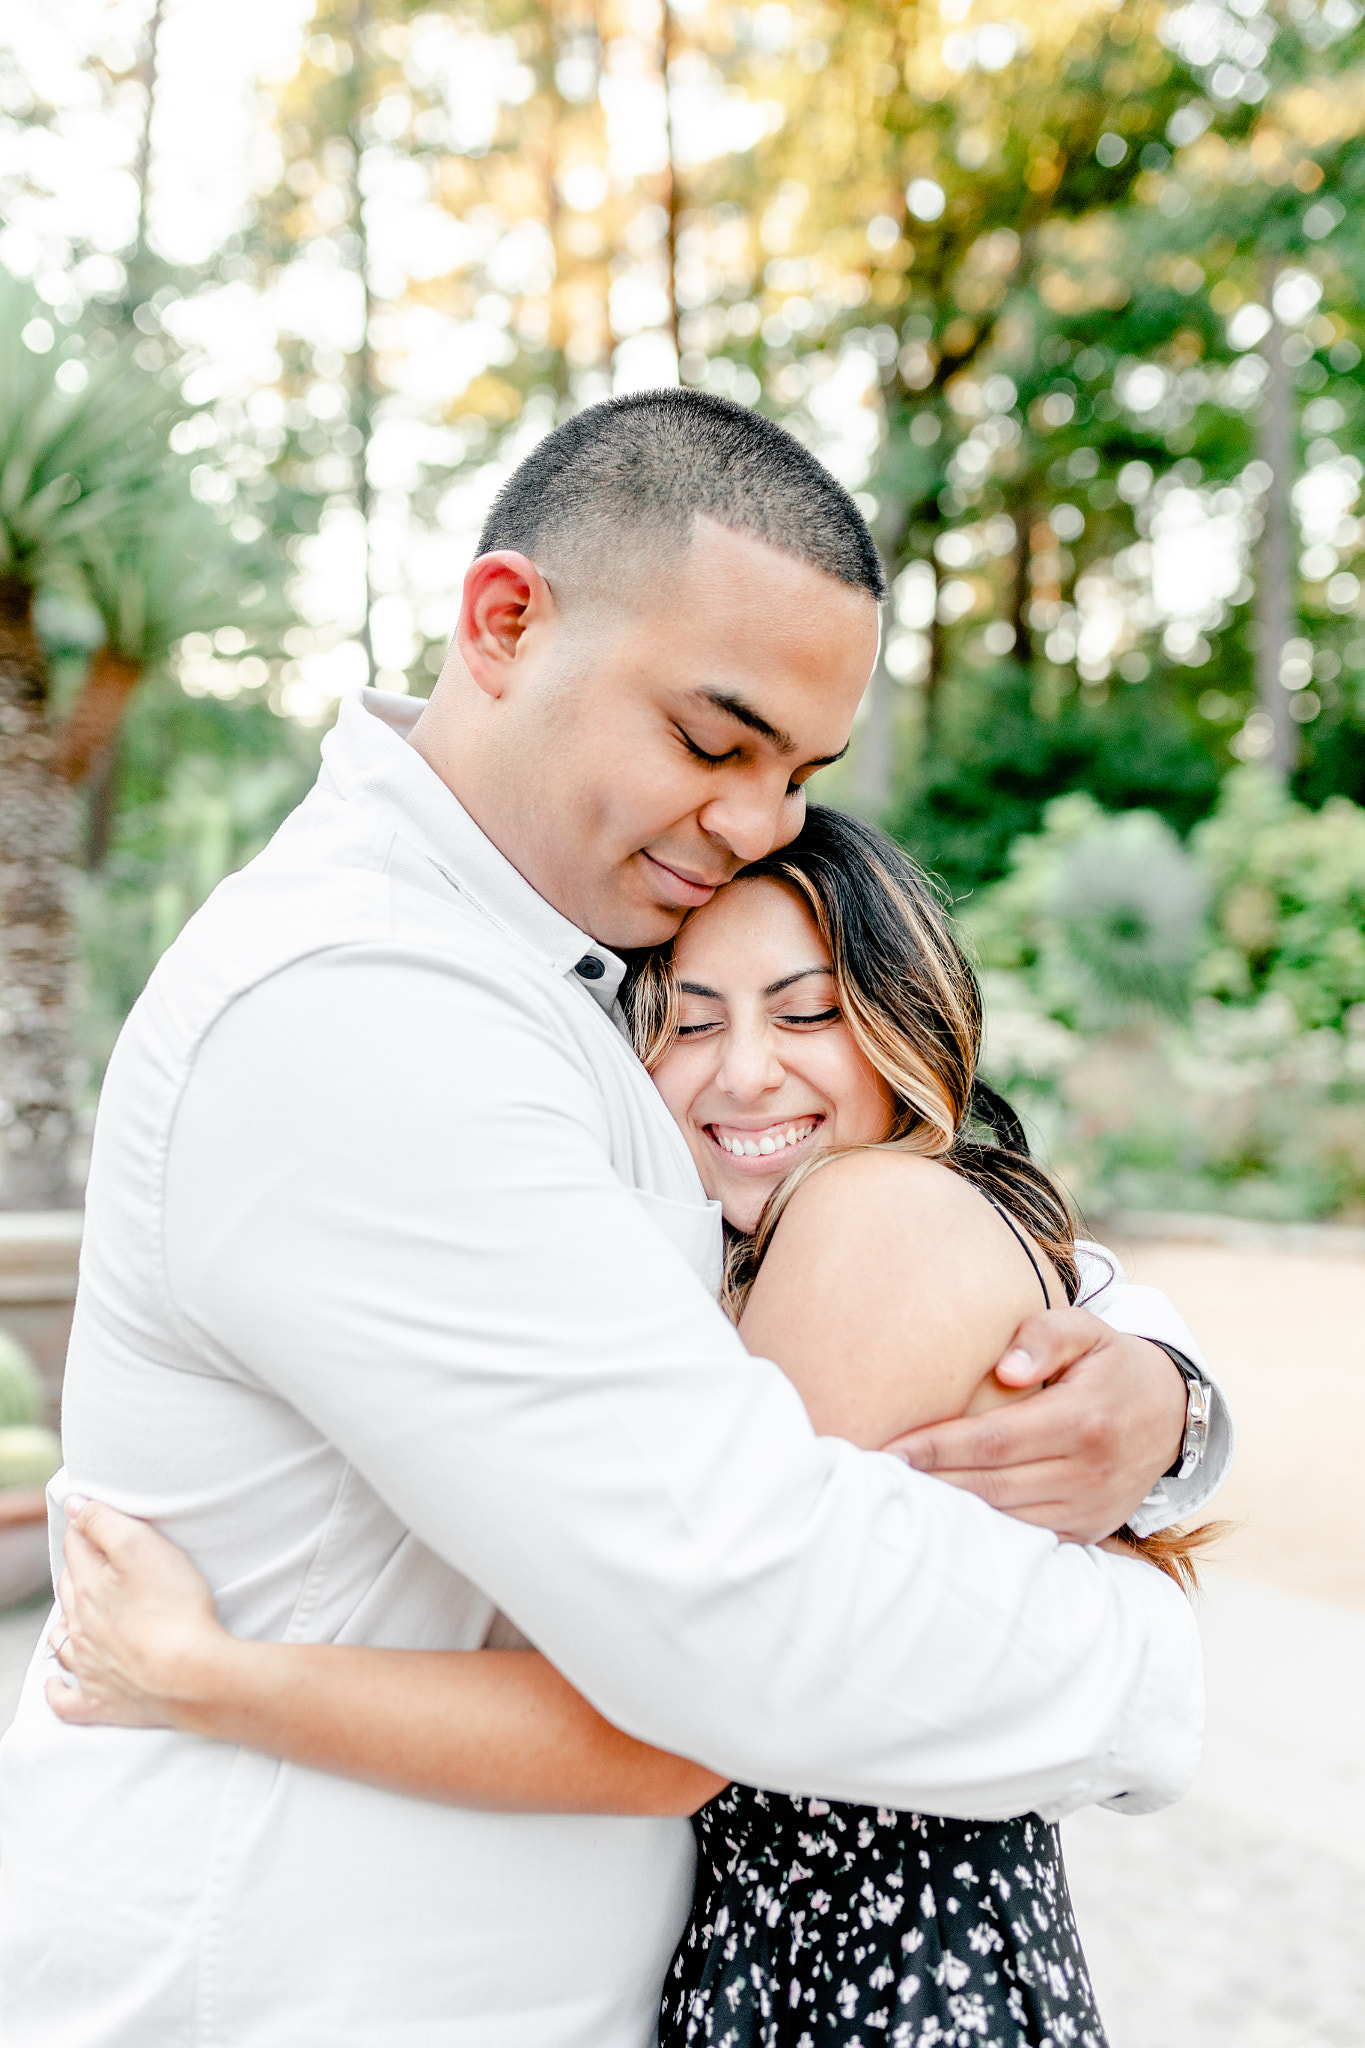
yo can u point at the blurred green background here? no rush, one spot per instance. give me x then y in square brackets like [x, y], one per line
[1068, 294]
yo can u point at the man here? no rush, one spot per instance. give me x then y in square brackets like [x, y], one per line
[397, 1310]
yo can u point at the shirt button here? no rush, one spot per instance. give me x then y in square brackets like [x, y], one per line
[590, 967]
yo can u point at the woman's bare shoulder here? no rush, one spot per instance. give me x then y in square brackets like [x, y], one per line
[887, 1184]
[884, 1217]
[889, 1291]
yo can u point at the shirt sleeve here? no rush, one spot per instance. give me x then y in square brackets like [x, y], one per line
[1145, 1312]
[390, 1201]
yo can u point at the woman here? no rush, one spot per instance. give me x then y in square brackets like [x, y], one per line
[814, 1032]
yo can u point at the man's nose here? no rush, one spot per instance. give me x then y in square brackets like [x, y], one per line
[748, 821]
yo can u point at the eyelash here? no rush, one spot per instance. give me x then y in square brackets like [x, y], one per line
[792, 1023]
[719, 760]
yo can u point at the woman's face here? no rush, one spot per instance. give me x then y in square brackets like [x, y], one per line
[764, 1071]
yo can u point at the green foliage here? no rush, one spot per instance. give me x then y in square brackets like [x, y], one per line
[1289, 887]
[71, 460]
[204, 815]
[21, 1390]
[1251, 1098]
[1107, 912]
[155, 579]
[999, 756]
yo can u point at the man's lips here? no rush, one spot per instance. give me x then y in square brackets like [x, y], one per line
[680, 887]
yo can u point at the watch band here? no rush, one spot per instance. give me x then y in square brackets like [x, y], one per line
[1198, 1413]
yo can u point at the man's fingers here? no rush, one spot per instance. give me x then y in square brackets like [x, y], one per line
[1016, 1487]
[1053, 1424]
[1046, 1343]
[1051, 1496]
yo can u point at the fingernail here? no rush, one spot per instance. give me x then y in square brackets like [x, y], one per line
[1015, 1361]
[76, 1501]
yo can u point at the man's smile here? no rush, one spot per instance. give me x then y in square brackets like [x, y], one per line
[680, 885]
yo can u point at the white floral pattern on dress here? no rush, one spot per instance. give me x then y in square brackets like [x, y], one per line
[822, 1925]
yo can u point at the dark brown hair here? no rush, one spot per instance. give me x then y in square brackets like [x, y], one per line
[639, 471]
[912, 1004]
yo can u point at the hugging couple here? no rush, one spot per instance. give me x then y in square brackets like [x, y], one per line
[527, 1203]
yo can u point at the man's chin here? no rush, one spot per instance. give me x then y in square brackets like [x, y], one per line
[631, 927]
[645, 930]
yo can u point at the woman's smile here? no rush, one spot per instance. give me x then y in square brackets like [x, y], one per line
[764, 1071]
[745, 1145]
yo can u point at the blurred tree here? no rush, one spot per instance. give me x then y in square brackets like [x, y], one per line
[154, 580]
[75, 450]
[91, 508]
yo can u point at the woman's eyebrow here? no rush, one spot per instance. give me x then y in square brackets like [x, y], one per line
[775, 988]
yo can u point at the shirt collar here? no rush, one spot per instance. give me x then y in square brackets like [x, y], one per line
[368, 759]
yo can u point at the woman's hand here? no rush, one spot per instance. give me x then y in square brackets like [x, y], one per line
[139, 1630]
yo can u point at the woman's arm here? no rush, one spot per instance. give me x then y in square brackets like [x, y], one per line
[889, 1291]
[494, 1728]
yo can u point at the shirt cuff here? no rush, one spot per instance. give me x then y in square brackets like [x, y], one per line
[1155, 1757]
[1175, 1500]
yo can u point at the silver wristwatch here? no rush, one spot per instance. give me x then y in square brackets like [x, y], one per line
[1198, 1414]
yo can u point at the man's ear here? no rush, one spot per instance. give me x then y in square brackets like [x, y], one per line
[504, 596]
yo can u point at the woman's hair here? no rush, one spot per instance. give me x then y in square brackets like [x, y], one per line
[912, 1004]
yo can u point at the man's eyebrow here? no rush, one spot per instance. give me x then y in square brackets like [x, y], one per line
[744, 714]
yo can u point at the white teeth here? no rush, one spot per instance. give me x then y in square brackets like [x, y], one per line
[770, 1142]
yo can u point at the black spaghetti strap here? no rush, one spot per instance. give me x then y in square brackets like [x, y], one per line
[1028, 1248]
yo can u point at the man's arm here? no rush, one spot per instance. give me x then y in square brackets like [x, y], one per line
[429, 1256]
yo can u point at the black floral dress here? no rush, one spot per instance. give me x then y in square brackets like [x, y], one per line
[818, 1923]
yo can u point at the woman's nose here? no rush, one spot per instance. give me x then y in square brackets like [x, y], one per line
[751, 1066]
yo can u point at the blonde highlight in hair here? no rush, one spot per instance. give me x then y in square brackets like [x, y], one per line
[912, 1005]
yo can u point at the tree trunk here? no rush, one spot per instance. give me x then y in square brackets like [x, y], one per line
[873, 762]
[84, 740]
[36, 841]
[674, 200]
[1021, 587]
[1276, 610]
[874, 758]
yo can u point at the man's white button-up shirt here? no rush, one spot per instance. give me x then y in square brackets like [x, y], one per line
[397, 1310]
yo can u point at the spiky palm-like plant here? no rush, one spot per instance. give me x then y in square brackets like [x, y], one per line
[90, 498]
[152, 582]
[68, 460]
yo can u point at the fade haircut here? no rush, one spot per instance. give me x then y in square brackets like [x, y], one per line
[634, 474]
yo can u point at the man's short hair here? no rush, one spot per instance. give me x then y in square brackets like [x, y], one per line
[634, 474]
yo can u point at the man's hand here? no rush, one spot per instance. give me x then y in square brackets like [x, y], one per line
[1081, 1455]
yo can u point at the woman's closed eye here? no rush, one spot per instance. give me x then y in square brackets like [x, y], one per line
[804, 1019]
[789, 1020]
